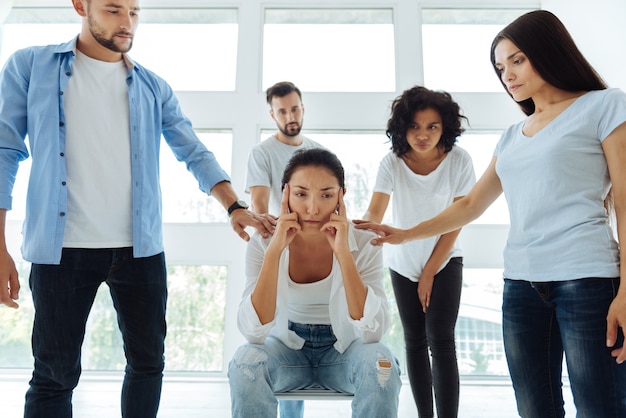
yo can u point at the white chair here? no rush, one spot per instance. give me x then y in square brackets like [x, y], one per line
[314, 393]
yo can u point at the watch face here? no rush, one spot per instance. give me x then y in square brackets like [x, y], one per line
[239, 204]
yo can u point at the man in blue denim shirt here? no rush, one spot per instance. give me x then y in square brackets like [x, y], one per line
[94, 121]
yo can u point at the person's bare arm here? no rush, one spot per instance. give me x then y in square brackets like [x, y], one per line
[260, 199]
[614, 147]
[460, 213]
[9, 281]
[260, 203]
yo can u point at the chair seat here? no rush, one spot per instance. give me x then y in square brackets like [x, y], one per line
[313, 393]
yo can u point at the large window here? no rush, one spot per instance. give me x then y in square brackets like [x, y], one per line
[193, 49]
[183, 201]
[326, 50]
[456, 46]
[350, 60]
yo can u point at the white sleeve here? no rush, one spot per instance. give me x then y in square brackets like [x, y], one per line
[247, 319]
[384, 176]
[259, 169]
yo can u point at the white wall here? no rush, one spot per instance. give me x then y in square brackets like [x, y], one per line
[598, 28]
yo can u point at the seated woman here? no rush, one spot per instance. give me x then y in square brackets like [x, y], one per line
[314, 308]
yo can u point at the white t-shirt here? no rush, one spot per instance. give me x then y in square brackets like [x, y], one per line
[308, 302]
[555, 184]
[97, 153]
[266, 164]
[416, 198]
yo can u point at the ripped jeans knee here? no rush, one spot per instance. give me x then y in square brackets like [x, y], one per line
[247, 361]
[384, 368]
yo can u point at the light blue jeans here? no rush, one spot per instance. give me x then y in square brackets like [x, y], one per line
[543, 321]
[369, 371]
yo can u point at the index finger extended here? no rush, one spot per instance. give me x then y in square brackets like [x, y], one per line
[342, 205]
[284, 203]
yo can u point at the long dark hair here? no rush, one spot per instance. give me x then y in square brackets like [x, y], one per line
[316, 157]
[419, 98]
[552, 52]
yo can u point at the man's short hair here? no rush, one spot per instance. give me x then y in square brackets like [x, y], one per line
[281, 89]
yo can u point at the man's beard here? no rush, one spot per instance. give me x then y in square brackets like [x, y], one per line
[292, 133]
[102, 40]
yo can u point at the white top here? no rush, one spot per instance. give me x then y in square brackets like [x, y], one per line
[308, 302]
[370, 328]
[266, 164]
[99, 213]
[555, 184]
[417, 198]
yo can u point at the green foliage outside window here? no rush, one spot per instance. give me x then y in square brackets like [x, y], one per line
[195, 318]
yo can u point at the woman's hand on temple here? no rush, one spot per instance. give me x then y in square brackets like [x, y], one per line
[336, 229]
[287, 225]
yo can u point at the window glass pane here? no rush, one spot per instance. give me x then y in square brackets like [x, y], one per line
[330, 50]
[480, 146]
[17, 324]
[480, 350]
[192, 49]
[183, 201]
[195, 329]
[360, 153]
[205, 60]
[20, 187]
[456, 46]
[27, 27]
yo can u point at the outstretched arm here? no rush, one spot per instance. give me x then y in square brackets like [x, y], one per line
[460, 213]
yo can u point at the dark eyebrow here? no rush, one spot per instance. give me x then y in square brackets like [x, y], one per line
[511, 56]
[117, 6]
[322, 189]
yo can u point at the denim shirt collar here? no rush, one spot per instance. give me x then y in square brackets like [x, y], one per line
[70, 47]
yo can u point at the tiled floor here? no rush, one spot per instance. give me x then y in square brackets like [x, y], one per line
[185, 396]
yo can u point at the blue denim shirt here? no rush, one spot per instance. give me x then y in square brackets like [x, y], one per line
[32, 84]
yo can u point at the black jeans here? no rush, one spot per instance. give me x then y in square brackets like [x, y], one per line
[435, 330]
[63, 295]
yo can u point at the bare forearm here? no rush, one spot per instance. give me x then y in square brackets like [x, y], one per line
[224, 193]
[356, 291]
[265, 293]
[440, 252]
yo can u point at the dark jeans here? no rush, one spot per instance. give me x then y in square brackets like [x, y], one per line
[435, 330]
[63, 295]
[541, 322]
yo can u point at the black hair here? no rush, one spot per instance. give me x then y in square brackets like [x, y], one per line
[281, 89]
[543, 38]
[314, 157]
[419, 98]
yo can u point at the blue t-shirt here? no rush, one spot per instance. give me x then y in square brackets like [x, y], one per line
[555, 184]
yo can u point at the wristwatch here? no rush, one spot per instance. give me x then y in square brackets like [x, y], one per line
[239, 204]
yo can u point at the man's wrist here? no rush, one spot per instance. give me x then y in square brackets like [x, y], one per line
[238, 204]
